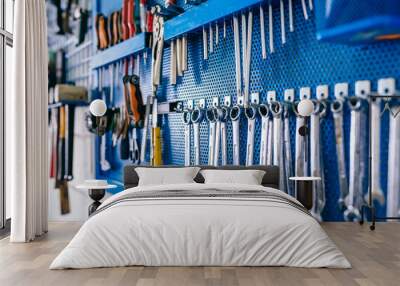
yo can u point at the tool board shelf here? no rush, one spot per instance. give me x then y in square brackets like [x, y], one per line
[193, 18]
[120, 51]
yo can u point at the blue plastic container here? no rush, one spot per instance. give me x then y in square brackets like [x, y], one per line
[357, 21]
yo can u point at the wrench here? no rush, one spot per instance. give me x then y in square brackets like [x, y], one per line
[271, 29]
[205, 44]
[188, 122]
[291, 25]
[234, 114]
[393, 185]
[263, 110]
[270, 142]
[217, 139]
[216, 34]
[262, 32]
[104, 164]
[337, 110]
[173, 59]
[211, 34]
[211, 116]
[315, 160]
[197, 118]
[184, 53]
[289, 184]
[224, 112]
[300, 151]
[179, 56]
[283, 29]
[276, 111]
[376, 190]
[354, 198]
[251, 113]
[220, 136]
[304, 7]
[237, 56]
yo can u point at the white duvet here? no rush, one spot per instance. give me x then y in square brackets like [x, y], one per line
[200, 231]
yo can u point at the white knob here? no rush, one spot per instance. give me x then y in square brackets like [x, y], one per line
[305, 107]
[98, 107]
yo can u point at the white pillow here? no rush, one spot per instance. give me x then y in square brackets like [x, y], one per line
[248, 177]
[166, 176]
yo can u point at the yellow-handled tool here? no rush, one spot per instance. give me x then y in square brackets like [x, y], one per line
[156, 159]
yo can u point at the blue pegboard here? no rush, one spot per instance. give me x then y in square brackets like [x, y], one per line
[302, 61]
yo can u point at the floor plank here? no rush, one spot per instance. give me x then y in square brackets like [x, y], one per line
[375, 257]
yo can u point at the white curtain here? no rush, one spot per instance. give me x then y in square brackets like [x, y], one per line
[26, 126]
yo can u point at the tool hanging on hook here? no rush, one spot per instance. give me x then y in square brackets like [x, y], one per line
[262, 32]
[197, 118]
[157, 55]
[271, 29]
[316, 166]
[263, 110]
[393, 184]
[337, 110]
[375, 133]
[353, 200]
[283, 29]
[289, 186]
[205, 44]
[187, 121]
[211, 116]
[235, 114]
[222, 117]
[251, 113]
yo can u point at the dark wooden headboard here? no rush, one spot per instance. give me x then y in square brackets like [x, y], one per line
[271, 177]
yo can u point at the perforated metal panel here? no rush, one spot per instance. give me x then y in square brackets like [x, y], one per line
[302, 61]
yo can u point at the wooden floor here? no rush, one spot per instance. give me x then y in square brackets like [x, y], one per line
[375, 257]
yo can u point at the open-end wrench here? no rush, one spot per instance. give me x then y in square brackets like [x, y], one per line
[270, 142]
[283, 29]
[216, 34]
[197, 118]
[223, 116]
[337, 110]
[271, 29]
[211, 115]
[276, 111]
[354, 198]
[393, 184]
[184, 53]
[291, 25]
[289, 184]
[205, 44]
[300, 145]
[211, 35]
[263, 110]
[179, 56]
[262, 32]
[173, 60]
[238, 73]
[247, 59]
[251, 113]
[234, 115]
[376, 190]
[304, 7]
[315, 159]
[217, 144]
[187, 120]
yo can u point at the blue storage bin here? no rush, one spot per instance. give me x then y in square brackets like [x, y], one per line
[355, 21]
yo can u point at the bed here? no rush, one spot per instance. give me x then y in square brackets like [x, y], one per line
[197, 224]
